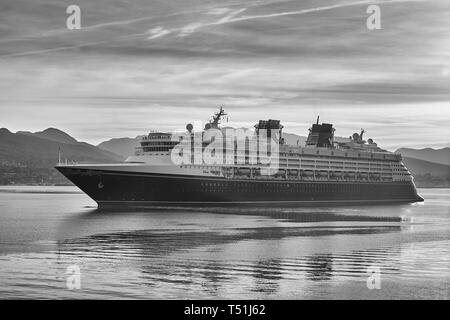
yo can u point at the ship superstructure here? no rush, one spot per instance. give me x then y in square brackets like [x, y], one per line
[323, 171]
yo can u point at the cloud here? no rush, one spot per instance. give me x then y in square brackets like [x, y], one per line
[229, 17]
[219, 11]
[158, 32]
[132, 70]
[190, 28]
[232, 15]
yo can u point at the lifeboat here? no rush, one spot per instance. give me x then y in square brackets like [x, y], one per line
[322, 173]
[336, 174]
[363, 175]
[307, 173]
[280, 173]
[292, 172]
[350, 175]
[243, 171]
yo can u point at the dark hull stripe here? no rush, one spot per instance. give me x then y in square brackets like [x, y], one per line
[124, 189]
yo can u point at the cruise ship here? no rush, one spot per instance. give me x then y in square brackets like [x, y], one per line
[254, 168]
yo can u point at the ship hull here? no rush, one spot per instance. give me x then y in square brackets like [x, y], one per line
[132, 189]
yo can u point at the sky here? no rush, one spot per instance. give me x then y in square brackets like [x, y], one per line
[139, 65]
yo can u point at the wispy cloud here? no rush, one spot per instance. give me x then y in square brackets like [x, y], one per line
[158, 32]
[230, 16]
[167, 62]
[190, 28]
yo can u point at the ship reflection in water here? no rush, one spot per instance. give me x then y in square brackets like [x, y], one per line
[248, 261]
[309, 253]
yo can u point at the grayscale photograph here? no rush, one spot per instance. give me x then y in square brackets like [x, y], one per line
[216, 150]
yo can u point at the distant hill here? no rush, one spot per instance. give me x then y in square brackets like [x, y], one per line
[53, 135]
[121, 146]
[428, 174]
[421, 167]
[441, 156]
[294, 139]
[34, 150]
[29, 158]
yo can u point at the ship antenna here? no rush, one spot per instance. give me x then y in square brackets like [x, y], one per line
[216, 118]
[317, 120]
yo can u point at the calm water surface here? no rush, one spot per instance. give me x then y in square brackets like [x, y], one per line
[308, 253]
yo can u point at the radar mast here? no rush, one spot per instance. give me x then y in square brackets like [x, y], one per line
[216, 119]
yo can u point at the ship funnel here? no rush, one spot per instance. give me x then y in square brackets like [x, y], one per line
[321, 135]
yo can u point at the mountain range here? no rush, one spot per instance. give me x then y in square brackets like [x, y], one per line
[121, 146]
[29, 157]
[441, 156]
